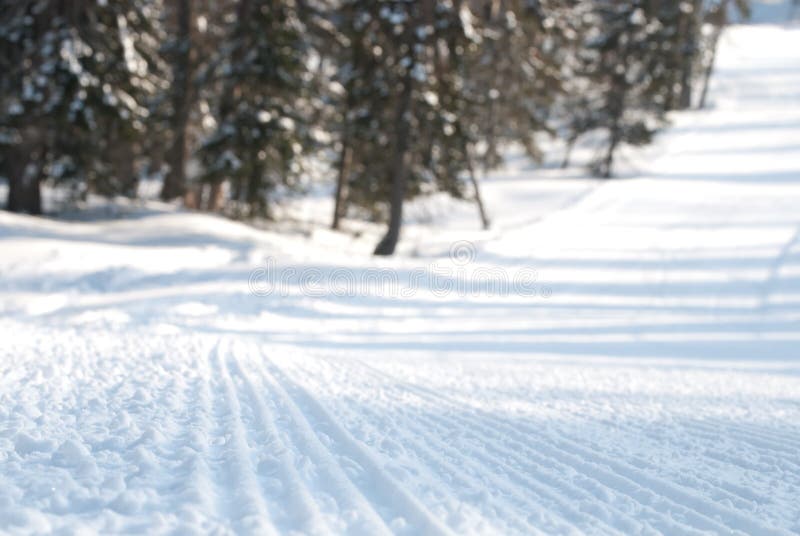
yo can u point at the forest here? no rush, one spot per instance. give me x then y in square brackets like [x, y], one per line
[227, 104]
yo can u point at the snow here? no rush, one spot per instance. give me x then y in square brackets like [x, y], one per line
[641, 376]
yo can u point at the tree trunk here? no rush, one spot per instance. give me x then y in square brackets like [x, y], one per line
[685, 100]
[709, 68]
[617, 105]
[568, 151]
[675, 73]
[215, 199]
[122, 155]
[339, 207]
[24, 178]
[193, 197]
[24, 195]
[608, 161]
[399, 173]
[175, 181]
[490, 158]
[253, 192]
[474, 180]
[689, 56]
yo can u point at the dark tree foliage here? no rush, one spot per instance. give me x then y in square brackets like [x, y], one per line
[262, 113]
[624, 73]
[76, 79]
[403, 128]
[228, 102]
[518, 74]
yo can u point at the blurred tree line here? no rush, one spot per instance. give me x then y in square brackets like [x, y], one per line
[227, 101]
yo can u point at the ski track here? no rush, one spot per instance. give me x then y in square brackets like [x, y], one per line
[623, 477]
[532, 494]
[655, 390]
[235, 467]
[397, 506]
[276, 469]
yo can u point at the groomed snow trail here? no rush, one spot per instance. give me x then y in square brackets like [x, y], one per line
[647, 381]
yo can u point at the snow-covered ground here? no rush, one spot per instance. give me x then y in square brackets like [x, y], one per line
[612, 357]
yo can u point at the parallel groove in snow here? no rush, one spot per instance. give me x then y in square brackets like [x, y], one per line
[552, 497]
[547, 460]
[246, 503]
[617, 475]
[397, 503]
[526, 495]
[321, 469]
[655, 391]
[298, 508]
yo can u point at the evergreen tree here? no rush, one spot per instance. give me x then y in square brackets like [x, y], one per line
[401, 71]
[688, 45]
[77, 76]
[518, 74]
[360, 93]
[402, 94]
[262, 112]
[182, 57]
[625, 74]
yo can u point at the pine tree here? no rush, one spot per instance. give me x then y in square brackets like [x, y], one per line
[517, 76]
[401, 71]
[365, 85]
[76, 79]
[689, 29]
[182, 55]
[625, 74]
[262, 113]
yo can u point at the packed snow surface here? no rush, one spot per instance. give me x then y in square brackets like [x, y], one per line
[612, 357]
